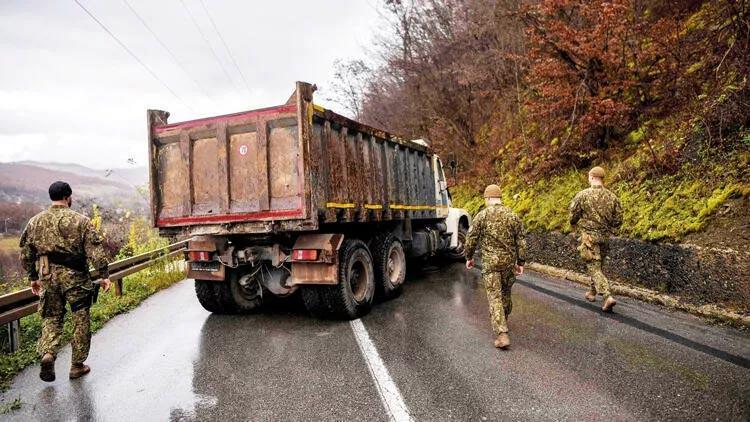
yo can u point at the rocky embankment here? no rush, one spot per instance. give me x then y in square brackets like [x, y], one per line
[696, 275]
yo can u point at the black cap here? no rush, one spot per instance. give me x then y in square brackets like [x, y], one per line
[59, 191]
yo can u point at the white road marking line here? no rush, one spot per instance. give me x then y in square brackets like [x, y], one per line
[390, 396]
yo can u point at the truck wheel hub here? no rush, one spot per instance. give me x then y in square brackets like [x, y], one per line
[358, 280]
[249, 286]
[395, 265]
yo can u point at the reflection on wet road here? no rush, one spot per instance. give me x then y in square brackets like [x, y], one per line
[171, 360]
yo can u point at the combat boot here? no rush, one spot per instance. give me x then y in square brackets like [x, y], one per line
[77, 370]
[591, 295]
[502, 341]
[609, 304]
[47, 373]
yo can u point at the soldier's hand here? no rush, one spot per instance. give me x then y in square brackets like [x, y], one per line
[469, 264]
[519, 269]
[36, 287]
[105, 284]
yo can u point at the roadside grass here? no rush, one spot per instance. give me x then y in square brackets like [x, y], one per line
[10, 406]
[9, 243]
[663, 208]
[136, 288]
[10, 265]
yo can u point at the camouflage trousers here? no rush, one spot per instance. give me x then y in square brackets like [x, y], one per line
[593, 250]
[498, 285]
[52, 308]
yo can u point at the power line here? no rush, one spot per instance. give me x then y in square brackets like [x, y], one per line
[168, 50]
[205, 39]
[148, 69]
[231, 56]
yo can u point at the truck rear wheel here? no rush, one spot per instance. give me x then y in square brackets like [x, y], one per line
[352, 296]
[239, 293]
[389, 261]
[206, 294]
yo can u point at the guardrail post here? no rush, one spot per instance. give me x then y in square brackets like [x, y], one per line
[118, 287]
[14, 338]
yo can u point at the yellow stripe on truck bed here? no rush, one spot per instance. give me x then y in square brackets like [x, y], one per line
[340, 205]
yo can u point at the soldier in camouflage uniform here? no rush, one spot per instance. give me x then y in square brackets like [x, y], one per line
[499, 233]
[57, 247]
[596, 214]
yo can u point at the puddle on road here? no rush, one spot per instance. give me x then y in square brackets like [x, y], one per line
[637, 354]
[536, 314]
[542, 320]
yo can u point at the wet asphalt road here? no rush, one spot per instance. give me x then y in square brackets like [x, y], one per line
[171, 360]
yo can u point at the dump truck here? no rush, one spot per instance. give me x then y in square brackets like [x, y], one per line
[298, 198]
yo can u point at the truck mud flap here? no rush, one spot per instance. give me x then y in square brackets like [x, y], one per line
[315, 259]
[201, 261]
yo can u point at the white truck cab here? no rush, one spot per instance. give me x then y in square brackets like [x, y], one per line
[458, 220]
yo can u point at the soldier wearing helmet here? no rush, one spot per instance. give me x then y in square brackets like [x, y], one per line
[596, 214]
[499, 234]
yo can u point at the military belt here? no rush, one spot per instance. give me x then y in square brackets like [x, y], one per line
[73, 262]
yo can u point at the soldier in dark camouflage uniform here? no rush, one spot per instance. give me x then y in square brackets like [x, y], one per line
[57, 247]
[596, 214]
[499, 233]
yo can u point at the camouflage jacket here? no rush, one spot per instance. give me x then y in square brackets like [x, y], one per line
[596, 210]
[499, 232]
[60, 230]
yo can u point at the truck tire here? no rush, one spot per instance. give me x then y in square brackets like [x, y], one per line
[352, 296]
[389, 261]
[240, 293]
[206, 294]
[457, 253]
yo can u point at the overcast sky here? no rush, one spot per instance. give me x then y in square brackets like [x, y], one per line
[70, 93]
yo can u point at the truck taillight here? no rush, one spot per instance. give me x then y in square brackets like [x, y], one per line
[198, 256]
[305, 255]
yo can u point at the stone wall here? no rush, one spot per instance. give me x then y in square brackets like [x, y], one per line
[697, 275]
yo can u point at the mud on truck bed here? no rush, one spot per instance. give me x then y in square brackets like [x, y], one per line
[297, 197]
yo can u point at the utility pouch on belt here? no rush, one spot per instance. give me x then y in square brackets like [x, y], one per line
[43, 265]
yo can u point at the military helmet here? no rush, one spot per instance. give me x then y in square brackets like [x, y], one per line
[597, 172]
[492, 191]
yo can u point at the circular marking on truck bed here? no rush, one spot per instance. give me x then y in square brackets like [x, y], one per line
[243, 149]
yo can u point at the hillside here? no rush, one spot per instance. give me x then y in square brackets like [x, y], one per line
[29, 183]
[134, 176]
[530, 95]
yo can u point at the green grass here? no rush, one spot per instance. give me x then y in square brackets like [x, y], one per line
[136, 288]
[10, 406]
[665, 208]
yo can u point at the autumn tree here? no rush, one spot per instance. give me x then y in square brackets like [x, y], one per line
[543, 85]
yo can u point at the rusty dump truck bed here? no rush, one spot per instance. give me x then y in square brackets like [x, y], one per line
[292, 167]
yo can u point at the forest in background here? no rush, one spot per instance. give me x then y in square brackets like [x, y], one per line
[530, 94]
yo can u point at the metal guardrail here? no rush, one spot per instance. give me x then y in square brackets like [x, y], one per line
[14, 306]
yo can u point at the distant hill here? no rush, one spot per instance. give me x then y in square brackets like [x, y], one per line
[28, 182]
[134, 176]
